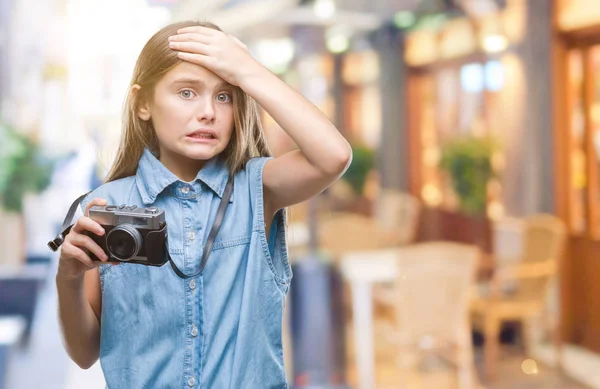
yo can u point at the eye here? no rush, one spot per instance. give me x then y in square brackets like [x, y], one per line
[224, 98]
[186, 93]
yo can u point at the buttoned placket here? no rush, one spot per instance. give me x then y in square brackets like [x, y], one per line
[193, 288]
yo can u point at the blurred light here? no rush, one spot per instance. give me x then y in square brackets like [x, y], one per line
[337, 40]
[471, 78]
[324, 9]
[494, 76]
[495, 43]
[275, 54]
[529, 367]
[431, 195]
[495, 210]
[404, 19]
[338, 44]
[431, 156]
[11, 329]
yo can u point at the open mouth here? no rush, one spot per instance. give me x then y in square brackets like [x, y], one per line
[201, 136]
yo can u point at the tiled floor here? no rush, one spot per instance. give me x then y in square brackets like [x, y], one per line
[434, 373]
[511, 376]
[440, 376]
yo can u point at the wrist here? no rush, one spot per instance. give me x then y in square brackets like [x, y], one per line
[253, 76]
[68, 280]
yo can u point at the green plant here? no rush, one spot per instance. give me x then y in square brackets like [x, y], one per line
[23, 169]
[362, 163]
[467, 160]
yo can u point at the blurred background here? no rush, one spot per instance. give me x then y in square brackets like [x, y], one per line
[459, 250]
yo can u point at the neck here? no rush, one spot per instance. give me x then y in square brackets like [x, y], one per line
[186, 169]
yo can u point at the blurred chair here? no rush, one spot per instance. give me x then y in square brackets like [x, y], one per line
[528, 279]
[398, 215]
[507, 238]
[433, 293]
[341, 232]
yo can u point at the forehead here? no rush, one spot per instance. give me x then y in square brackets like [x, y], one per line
[189, 71]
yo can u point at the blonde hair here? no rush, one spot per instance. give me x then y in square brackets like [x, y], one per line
[157, 58]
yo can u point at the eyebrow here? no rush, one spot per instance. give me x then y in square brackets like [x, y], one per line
[195, 81]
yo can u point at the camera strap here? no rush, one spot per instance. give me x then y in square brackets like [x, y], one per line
[211, 236]
[55, 243]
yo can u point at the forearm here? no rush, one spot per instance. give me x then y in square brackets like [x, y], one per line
[79, 325]
[318, 139]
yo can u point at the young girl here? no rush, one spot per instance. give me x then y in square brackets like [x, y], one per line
[191, 122]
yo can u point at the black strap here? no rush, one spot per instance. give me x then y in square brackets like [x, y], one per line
[55, 243]
[212, 235]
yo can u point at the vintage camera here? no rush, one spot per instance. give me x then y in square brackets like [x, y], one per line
[132, 234]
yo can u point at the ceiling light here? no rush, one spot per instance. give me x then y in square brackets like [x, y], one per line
[324, 9]
[337, 39]
[275, 54]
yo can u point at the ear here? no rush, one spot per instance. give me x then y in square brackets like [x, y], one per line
[143, 111]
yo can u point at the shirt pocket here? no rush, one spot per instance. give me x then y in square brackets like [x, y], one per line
[275, 252]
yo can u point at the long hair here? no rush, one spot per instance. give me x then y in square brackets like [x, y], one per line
[157, 58]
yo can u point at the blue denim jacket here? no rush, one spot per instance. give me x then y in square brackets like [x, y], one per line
[221, 329]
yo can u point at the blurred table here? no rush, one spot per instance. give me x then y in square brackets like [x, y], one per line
[362, 269]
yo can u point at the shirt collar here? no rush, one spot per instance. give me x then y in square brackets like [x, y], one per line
[153, 177]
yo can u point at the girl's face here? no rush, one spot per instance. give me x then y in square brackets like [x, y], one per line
[192, 113]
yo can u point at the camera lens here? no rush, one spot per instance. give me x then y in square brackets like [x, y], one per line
[124, 242]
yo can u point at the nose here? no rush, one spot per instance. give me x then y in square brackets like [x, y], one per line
[206, 110]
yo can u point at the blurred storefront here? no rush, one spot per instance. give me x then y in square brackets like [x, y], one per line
[526, 74]
[577, 151]
[483, 75]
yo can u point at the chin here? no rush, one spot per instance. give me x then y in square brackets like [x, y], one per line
[199, 152]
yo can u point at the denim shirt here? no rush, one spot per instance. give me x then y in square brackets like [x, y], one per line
[221, 329]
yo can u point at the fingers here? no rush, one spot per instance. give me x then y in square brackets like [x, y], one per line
[84, 223]
[84, 241]
[190, 47]
[96, 201]
[199, 38]
[198, 30]
[71, 251]
[198, 59]
[201, 35]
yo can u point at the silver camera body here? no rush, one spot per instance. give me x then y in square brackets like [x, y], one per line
[132, 234]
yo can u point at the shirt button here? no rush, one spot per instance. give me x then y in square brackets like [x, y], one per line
[193, 284]
[185, 189]
[194, 331]
[191, 381]
[191, 235]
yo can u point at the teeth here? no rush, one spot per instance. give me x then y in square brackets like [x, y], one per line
[206, 136]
